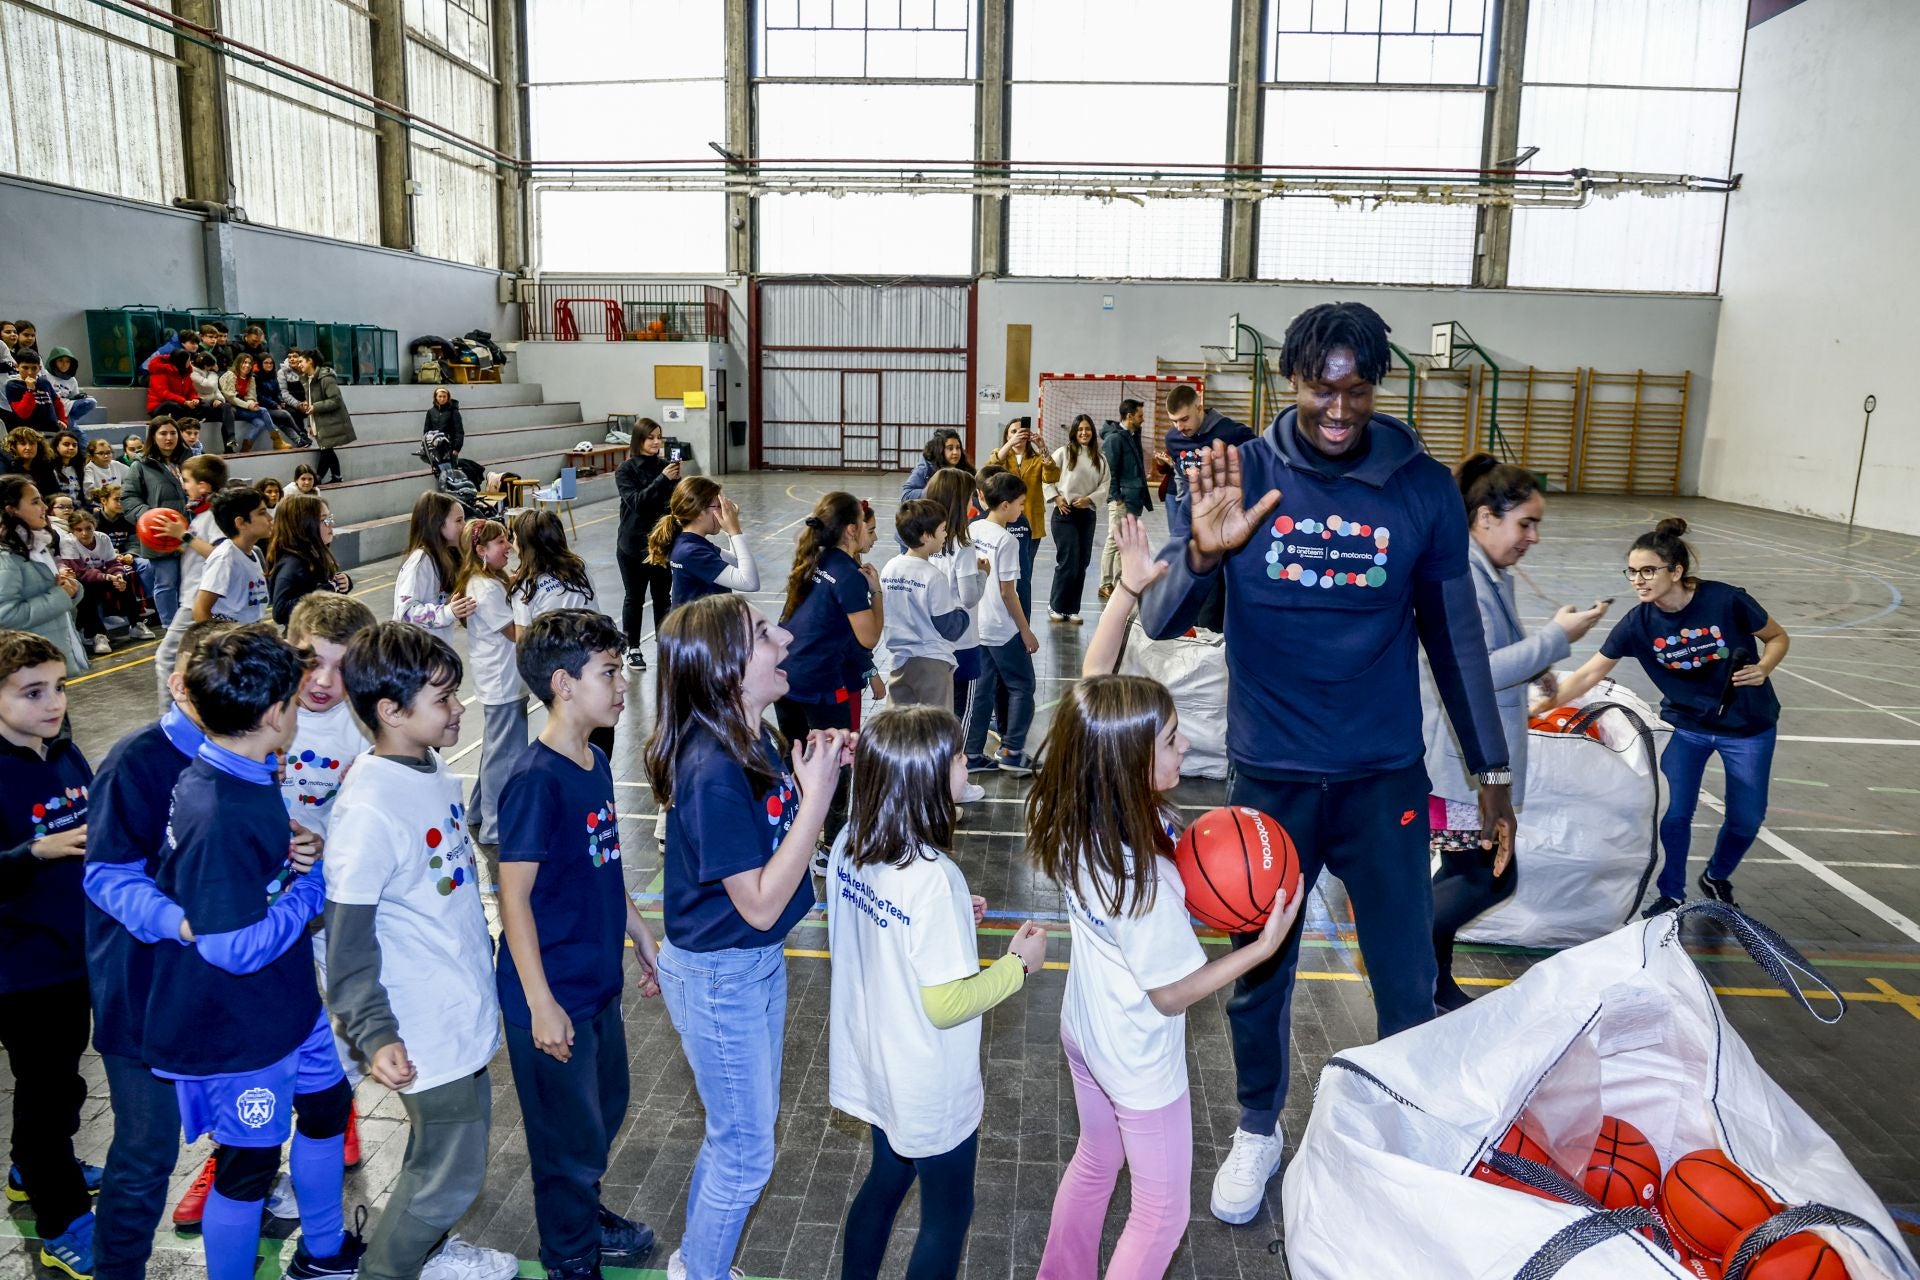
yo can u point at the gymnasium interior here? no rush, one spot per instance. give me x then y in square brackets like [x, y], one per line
[1638, 247]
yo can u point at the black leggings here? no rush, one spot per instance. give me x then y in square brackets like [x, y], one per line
[328, 465]
[44, 1032]
[641, 580]
[1463, 888]
[946, 1211]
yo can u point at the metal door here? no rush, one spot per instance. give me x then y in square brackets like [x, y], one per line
[852, 376]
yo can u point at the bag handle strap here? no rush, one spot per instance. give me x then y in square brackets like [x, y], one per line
[1586, 716]
[1540, 1177]
[1788, 1222]
[1773, 953]
[1596, 1228]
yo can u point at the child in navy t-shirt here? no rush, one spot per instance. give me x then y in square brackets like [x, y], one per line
[44, 781]
[235, 1020]
[696, 512]
[567, 917]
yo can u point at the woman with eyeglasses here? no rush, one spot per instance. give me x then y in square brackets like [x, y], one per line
[1710, 648]
[300, 554]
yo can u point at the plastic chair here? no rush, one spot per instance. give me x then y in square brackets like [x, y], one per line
[561, 494]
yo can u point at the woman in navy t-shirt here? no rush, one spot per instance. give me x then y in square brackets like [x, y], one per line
[1710, 648]
[742, 820]
[681, 540]
[833, 611]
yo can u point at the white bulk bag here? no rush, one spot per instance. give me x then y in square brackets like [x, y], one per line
[1380, 1185]
[1588, 844]
[1194, 669]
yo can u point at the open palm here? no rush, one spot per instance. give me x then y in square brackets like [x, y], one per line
[1222, 522]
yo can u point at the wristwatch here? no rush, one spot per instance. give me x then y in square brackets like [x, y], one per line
[1496, 778]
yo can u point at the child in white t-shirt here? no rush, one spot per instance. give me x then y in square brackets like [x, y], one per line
[492, 630]
[1100, 827]
[233, 585]
[423, 590]
[548, 577]
[1007, 642]
[924, 613]
[410, 974]
[200, 478]
[908, 991]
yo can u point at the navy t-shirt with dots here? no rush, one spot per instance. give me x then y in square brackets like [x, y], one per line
[1688, 655]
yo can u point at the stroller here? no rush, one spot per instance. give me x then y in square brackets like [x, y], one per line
[453, 478]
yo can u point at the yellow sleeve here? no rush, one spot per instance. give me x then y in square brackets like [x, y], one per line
[952, 1003]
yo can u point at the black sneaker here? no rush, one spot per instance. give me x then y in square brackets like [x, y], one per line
[1717, 890]
[353, 1243]
[585, 1267]
[636, 659]
[623, 1239]
[1661, 905]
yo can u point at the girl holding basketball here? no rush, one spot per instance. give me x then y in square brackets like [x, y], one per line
[1100, 826]
[1711, 649]
[908, 990]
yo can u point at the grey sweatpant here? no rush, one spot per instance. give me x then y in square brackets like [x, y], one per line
[440, 1177]
[922, 682]
[503, 736]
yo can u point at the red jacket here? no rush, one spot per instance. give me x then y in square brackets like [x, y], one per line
[166, 382]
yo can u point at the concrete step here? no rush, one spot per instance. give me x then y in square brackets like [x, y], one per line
[359, 499]
[386, 536]
[129, 404]
[407, 424]
[380, 458]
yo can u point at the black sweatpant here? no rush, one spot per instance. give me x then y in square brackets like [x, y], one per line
[1372, 833]
[328, 465]
[642, 580]
[1072, 552]
[946, 1210]
[1463, 888]
[795, 718]
[146, 1142]
[44, 1032]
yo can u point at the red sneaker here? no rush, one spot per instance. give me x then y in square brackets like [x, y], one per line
[353, 1136]
[194, 1203]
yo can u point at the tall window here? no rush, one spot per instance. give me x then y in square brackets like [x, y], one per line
[613, 80]
[1631, 85]
[880, 80]
[1124, 83]
[450, 81]
[1405, 84]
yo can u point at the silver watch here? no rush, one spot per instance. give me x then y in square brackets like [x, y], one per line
[1496, 778]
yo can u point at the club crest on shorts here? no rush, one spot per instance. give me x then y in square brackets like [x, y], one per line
[255, 1108]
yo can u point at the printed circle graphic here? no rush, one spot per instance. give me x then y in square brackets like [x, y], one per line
[1273, 570]
[1282, 526]
[1376, 577]
[433, 838]
[1308, 577]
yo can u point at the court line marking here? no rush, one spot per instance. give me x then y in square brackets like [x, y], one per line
[1852, 742]
[1789, 671]
[1822, 871]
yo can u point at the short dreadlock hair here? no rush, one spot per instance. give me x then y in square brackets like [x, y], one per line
[1315, 332]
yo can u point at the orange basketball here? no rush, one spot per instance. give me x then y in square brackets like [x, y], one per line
[1710, 1200]
[657, 326]
[1232, 861]
[148, 528]
[1517, 1142]
[1694, 1264]
[1801, 1256]
[1557, 720]
[1624, 1170]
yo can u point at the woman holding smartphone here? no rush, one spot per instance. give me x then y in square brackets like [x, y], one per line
[645, 481]
[1504, 510]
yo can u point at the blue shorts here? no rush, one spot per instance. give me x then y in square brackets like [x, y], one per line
[255, 1108]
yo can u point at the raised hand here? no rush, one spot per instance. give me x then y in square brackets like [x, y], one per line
[1222, 522]
[1138, 569]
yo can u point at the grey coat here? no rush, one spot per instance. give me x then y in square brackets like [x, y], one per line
[152, 484]
[332, 424]
[31, 600]
[1516, 658]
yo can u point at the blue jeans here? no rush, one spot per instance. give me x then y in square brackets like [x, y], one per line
[166, 586]
[251, 427]
[1010, 666]
[146, 1142]
[1748, 761]
[77, 410]
[730, 1008]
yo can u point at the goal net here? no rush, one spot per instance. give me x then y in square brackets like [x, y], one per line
[1065, 396]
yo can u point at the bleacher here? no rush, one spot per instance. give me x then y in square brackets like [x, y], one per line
[510, 427]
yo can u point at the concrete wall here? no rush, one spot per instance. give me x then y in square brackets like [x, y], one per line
[617, 377]
[1073, 332]
[69, 252]
[1820, 280]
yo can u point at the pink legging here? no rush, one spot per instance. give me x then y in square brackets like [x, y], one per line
[1157, 1148]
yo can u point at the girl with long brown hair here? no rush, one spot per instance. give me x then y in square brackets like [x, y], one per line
[300, 554]
[1100, 826]
[953, 489]
[1082, 483]
[423, 593]
[645, 481]
[681, 540]
[1021, 454]
[742, 820]
[491, 633]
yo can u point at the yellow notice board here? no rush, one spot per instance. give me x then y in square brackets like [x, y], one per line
[672, 381]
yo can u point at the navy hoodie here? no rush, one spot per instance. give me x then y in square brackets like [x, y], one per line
[1326, 601]
[1180, 447]
[42, 920]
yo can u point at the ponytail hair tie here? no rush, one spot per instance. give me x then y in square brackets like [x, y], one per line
[815, 523]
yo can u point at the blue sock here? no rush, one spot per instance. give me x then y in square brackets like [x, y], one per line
[230, 1234]
[318, 1166]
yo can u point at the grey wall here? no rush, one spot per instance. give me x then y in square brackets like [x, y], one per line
[1819, 274]
[1615, 333]
[68, 252]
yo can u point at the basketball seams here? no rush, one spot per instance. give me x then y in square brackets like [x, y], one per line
[1199, 864]
[1246, 864]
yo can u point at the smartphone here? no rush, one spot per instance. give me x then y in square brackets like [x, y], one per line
[1460, 841]
[1606, 601]
[673, 455]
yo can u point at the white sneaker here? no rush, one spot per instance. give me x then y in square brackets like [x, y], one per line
[141, 631]
[822, 855]
[677, 1270]
[101, 645]
[459, 1260]
[974, 794]
[1241, 1185]
[280, 1202]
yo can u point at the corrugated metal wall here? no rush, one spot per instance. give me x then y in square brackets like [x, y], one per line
[92, 100]
[301, 159]
[450, 81]
[855, 376]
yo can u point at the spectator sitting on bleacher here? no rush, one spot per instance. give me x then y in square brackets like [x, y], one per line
[169, 377]
[254, 343]
[70, 465]
[30, 398]
[215, 342]
[252, 424]
[205, 373]
[9, 339]
[28, 455]
[273, 398]
[63, 371]
[29, 336]
[327, 410]
[132, 449]
[102, 467]
[443, 415]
